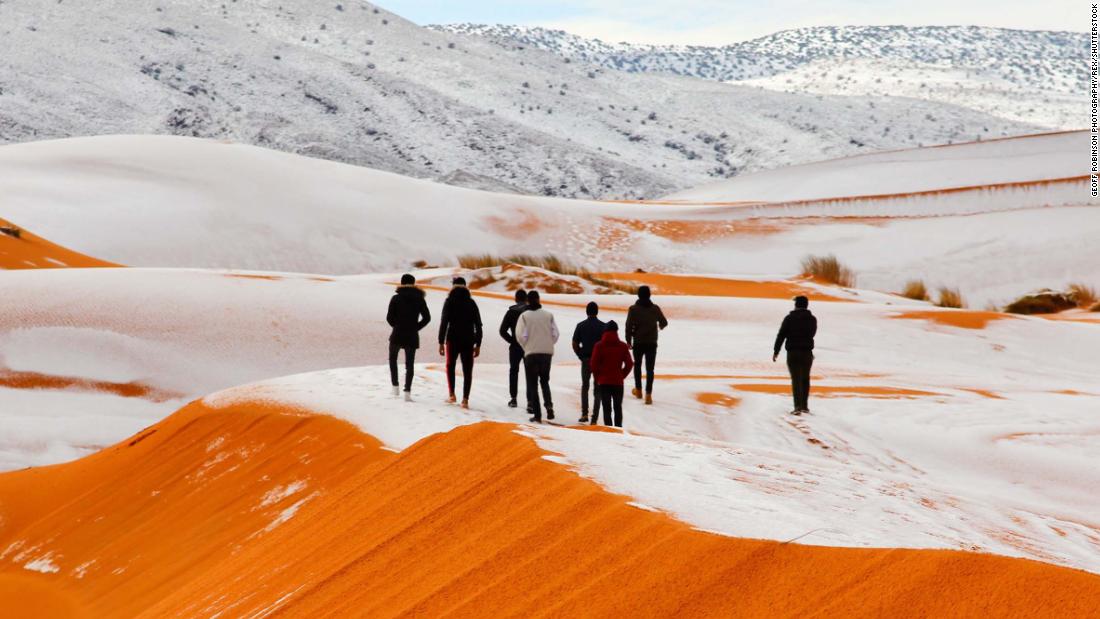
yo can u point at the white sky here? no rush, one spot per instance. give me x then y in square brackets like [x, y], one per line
[716, 22]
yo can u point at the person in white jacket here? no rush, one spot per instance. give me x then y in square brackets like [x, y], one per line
[537, 333]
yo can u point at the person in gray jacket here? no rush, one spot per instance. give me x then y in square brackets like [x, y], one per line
[537, 333]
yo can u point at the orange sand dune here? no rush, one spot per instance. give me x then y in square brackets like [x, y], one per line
[256, 510]
[35, 380]
[30, 251]
[718, 287]
[964, 319]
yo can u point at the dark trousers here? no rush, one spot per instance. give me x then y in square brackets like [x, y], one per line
[612, 396]
[586, 380]
[538, 374]
[799, 363]
[515, 359]
[410, 359]
[466, 354]
[644, 353]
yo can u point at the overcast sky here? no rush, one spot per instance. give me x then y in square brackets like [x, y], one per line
[715, 22]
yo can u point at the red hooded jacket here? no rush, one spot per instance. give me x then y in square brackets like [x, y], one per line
[611, 362]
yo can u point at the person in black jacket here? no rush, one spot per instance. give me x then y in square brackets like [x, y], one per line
[798, 330]
[515, 351]
[460, 337]
[585, 337]
[408, 314]
[644, 320]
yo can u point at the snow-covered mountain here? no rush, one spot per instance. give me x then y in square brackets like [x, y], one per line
[348, 81]
[1026, 75]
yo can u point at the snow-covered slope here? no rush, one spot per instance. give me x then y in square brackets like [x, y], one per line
[177, 202]
[1028, 75]
[351, 82]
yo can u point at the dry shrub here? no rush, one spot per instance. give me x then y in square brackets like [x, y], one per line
[828, 269]
[1042, 302]
[915, 289]
[420, 264]
[1083, 295]
[950, 297]
[1095, 308]
[549, 263]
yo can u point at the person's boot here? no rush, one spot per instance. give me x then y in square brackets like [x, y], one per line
[796, 412]
[584, 418]
[408, 396]
[649, 398]
[466, 404]
[396, 391]
[549, 412]
[512, 403]
[636, 393]
[536, 419]
[451, 399]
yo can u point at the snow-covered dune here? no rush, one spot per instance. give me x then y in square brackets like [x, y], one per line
[1004, 209]
[1011, 161]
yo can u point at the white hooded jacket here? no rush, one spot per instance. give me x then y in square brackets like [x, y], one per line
[537, 332]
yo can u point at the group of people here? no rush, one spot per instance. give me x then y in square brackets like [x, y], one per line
[532, 334]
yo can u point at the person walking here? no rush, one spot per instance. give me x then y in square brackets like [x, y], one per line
[585, 336]
[537, 333]
[643, 322]
[515, 351]
[611, 364]
[407, 315]
[460, 337]
[798, 330]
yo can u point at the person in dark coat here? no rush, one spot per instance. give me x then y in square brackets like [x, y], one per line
[515, 351]
[460, 337]
[798, 330]
[585, 337]
[643, 322]
[408, 314]
[611, 364]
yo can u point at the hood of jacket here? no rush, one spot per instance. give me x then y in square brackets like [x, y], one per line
[410, 290]
[459, 292]
[610, 337]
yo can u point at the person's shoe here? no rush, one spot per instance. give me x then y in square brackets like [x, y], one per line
[649, 398]
[583, 419]
[595, 420]
[512, 403]
[466, 404]
[451, 399]
[536, 419]
[796, 412]
[805, 411]
[396, 391]
[408, 396]
[549, 412]
[636, 393]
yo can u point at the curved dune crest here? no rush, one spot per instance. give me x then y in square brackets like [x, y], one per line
[30, 251]
[256, 509]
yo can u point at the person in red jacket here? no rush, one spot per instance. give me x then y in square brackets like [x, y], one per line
[611, 363]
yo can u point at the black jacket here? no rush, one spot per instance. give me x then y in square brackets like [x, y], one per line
[643, 321]
[408, 314]
[587, 335]
[798, 329]
[460, 323]
[508, 325]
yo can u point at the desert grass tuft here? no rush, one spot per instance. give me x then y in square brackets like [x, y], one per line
[916, 290]
[1083, 295]
[1042, 302]
[828, 269]
[950, 297]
